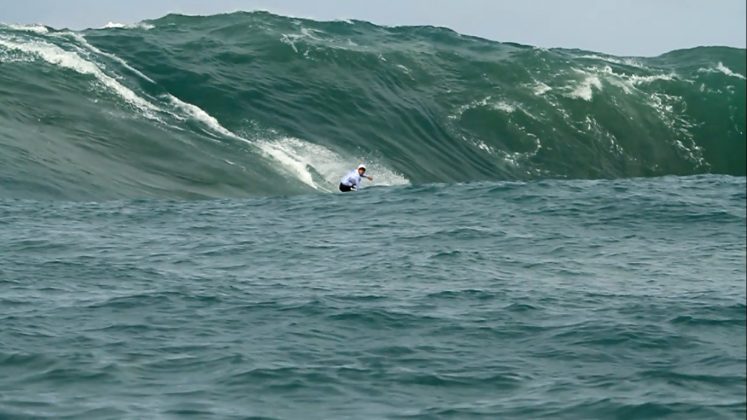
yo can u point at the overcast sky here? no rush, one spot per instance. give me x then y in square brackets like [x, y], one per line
[621, 27]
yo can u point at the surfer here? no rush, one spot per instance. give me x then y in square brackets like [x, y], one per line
[352, 181]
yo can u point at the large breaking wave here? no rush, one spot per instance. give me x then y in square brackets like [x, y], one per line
[259, 104]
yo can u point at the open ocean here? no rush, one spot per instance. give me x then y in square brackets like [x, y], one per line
[549, 234]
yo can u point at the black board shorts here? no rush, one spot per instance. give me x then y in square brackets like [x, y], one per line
[345, 188]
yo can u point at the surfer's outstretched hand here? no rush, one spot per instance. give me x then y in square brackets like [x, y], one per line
[370, 178]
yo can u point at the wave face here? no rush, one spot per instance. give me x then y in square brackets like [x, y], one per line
[258, 104]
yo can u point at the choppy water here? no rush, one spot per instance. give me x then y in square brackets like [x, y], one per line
[544, 299]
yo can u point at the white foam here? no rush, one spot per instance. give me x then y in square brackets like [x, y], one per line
[721, 68]
[309, 33]
[681, 128]
[139, 25]
[727, 71]
[319, 167]
[615, 79]
[14, 56]
[540, 88]
[38, 29]
[638, 80]
[294, 155]
[630, 82]
[503, 106]
[114, 25]
[403, 68]
[483, 146]
[585, 89]
[624, 61]
[83, 41]
[515, 158]
[305, 33]
[290, 153]
[71, 60]
[487, 102]
[196, 113]
[634, 79]
[594, 57]
[290, 39]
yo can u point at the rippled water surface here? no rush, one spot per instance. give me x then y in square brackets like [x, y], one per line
[570, 299]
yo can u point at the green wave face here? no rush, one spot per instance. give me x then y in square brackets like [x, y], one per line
[258, 104]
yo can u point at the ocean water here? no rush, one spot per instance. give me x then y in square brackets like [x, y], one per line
[549, 234]
[556, 299]
[250, 104]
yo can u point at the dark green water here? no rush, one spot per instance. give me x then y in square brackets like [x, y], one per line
[550, 233]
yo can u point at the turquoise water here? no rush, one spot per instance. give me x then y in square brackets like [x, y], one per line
[550, 233]
[252, 104]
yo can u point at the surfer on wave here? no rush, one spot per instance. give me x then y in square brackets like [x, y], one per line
[352, 181]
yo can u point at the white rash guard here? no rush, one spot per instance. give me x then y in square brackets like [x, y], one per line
[352, 179]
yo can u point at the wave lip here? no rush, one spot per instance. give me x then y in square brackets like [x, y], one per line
[139, 25]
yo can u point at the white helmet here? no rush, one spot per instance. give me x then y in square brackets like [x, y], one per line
[362, 166]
